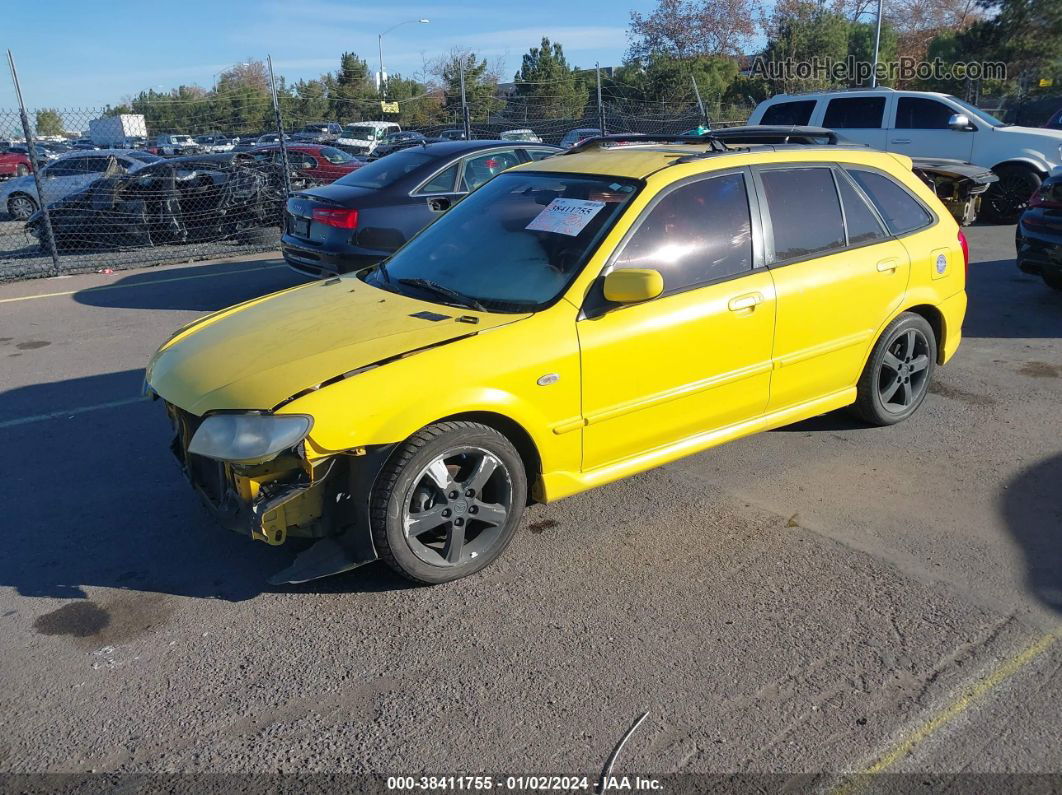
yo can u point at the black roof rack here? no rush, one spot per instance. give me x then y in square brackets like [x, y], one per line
[782, 134]
[640, 139]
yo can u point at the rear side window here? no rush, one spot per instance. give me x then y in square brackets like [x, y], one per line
[916, 113]
[798, 112]
[862, 225]
[805, 211]
[479, 169]
[443, 182]
[696, 234]
[387, 170]
[899, 208]
[853, 113]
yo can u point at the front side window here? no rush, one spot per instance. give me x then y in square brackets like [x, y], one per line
[481, 168]
[514, 245]
[333, 155]
[805, 212]
[918, 113]
[854, 113]
[899, 208]
[696, 234]
[789, 113]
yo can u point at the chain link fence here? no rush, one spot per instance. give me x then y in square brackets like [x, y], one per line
[184, 178]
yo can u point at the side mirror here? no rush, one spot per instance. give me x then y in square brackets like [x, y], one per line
[439, 204]
[629, 286]
[959, 121]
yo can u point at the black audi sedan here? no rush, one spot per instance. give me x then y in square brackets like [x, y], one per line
[1038, 235]
[368, 214]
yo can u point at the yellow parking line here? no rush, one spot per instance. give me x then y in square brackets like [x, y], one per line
[968, 697]
[138, 284]
[54, 415]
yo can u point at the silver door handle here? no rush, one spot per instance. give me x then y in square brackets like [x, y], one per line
[887, 265]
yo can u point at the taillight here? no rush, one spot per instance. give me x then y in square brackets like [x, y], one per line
[341, 218]
[965, 252]
[1039, 199]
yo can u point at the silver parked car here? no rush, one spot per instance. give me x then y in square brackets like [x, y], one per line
[68, 174]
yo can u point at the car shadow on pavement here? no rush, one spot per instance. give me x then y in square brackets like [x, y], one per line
[840, 420]
[1032, 509]
[94, 498]
[996, 310]
[204, 288]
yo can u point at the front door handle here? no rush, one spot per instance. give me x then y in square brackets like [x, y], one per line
[888, 265]
[900, 141]
[740, 303]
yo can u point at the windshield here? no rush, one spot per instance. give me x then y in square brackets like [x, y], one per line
[387, 170]
[513, 245]
[333, 155]
[182, 139]
[361, 133]
[983, 115]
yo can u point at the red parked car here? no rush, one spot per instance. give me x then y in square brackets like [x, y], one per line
[14, 164]
[318, 162]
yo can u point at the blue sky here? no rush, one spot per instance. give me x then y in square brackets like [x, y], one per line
[72, 53]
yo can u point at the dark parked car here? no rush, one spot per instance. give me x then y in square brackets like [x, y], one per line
[1055, 122]
[325, 132]
[179, 200]
[1039, 232]
[368, 214]
[398, 141]
[453, 135]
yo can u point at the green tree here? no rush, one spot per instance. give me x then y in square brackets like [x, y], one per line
[353, 91]
[664, 85]
[861, 47]
[48, 122]
[548, 86]
[481, 85]
[802, 31]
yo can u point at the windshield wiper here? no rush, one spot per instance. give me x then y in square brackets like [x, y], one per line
[445, 292]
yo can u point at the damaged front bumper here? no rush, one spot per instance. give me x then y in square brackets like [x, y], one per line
[324, 499]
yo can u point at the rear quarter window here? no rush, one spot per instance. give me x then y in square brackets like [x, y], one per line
[797, 112]
[901, 211]
[805, 212]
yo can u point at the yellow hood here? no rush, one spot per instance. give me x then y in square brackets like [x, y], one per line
[257, 355]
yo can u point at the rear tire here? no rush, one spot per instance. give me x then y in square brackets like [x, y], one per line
[1052, 279]
[896, 378]
[21, 206]
[448, 502]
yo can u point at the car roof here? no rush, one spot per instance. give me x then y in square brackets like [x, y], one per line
[842, 92]
[641, 160]
[447, 148]
[97, 153]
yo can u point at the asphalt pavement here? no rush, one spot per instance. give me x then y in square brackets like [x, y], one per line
[826, 600]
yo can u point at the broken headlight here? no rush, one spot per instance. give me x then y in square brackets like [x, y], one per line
[248, 438]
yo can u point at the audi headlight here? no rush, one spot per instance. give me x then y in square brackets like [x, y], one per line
[248, 438]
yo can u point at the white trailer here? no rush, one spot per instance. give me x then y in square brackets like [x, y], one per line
[117, 131]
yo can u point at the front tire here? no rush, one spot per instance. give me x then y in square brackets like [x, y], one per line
[21, 206]
[1004, 200]
[448, 502]
[896, 378]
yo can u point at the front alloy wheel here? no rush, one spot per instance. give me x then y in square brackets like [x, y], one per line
[448, 502]
[896, 378]
[21, 206]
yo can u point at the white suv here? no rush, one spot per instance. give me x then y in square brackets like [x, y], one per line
[928, 124]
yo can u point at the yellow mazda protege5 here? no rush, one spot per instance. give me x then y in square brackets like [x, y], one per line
[573, 321]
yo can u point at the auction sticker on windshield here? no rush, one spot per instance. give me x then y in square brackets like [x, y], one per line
[565, 216]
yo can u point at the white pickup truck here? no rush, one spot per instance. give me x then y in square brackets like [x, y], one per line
[930, 125]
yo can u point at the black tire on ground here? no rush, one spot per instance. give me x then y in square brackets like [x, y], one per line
[1052, 279]
[21, 206]
[1004, 200]
[467, 484]
[899, 371]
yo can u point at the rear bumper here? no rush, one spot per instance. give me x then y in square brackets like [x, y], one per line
[310, 260]
[1037, 251]
[954, 311]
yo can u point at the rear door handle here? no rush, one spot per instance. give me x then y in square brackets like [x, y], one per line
[888, 265]
[900, 141]
[741, 302]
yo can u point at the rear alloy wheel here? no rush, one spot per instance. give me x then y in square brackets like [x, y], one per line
[21, 206]
[448, 502]
[1004, 200]
[897, 376]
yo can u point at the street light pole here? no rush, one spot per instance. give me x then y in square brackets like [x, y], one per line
[379, 42]
[877, 44]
